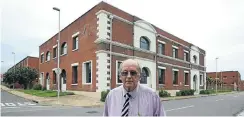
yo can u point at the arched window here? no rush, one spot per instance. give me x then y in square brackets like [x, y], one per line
[48, 56]
[144, 76]
[144, 43]
[195, 59]
[64, 48]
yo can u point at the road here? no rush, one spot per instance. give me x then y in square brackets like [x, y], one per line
[223, 105]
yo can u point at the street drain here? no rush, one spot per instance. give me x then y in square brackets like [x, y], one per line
[91, 112]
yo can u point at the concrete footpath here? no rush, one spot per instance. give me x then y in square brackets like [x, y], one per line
[81, 98]
[84, 99]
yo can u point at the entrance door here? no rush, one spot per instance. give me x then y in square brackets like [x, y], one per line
[195, 82]
[47, 85]
[47, 81]
[63, 80]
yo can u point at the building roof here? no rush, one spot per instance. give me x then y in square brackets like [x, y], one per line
[102, 2]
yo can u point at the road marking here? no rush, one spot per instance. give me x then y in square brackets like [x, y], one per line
[10, 104]
[33, 110]
[181, 108]
[24, 106]
[10, 107]
[17, 104]
[2, 104]
[219, 99]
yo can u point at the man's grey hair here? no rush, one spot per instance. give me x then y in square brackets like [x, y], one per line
[138, 66]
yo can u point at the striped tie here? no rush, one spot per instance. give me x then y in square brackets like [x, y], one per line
[125, 110]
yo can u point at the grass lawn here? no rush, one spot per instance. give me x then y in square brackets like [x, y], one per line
[46, 93]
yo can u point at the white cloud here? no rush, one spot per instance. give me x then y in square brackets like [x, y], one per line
[216, 26]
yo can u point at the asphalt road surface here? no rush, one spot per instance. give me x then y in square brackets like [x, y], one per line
[224, 105]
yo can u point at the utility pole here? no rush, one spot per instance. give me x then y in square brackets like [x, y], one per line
[221, 77]
[58, 70]
[2, 70]
[216, 76]
[14, 70]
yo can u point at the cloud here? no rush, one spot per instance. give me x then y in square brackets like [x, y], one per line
[215, 26]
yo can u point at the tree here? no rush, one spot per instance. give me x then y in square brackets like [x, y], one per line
[23, 75]
[8, 77]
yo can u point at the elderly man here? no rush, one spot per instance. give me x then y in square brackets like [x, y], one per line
[131, 98]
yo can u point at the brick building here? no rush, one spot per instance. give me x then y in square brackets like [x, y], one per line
[29, 61]
[242, 85]
[231, 79]
[93, 46]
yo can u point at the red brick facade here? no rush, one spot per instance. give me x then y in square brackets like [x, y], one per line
[28, 61]
[228, 77]
[122, 31]
[242, 85]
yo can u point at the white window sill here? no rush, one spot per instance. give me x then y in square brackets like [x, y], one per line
[63, 54]
[186, 85]
[176, 85]
[75, 49]
[87, 83]
[74, 84]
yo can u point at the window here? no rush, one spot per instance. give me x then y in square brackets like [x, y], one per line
[175, 77]
[161, 76]
[75, 42]
[175, 53]
[201, 80]
[144, 76]
[195, 59]
[74, 74]
[64, 48]
[118, 74]
[161, 48]
[55, 50]
[41, 78]
[54, 77]
[186, 77]
[48, 56]
[186, 56]
[87, 72]
[144, 43]
[63, 75]
[42, 58]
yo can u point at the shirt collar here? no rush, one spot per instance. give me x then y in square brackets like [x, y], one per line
[132, 93]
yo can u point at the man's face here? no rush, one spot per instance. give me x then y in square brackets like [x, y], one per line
[129, 75]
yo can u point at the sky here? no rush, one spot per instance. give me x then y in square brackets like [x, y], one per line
[217, 26]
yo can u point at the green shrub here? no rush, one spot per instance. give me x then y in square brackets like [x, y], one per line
[37, 87]
[178, 93]
[207, 91]
[104, 95]
[224, 90]
[185, 92]
[44, 88]
[164, 93]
